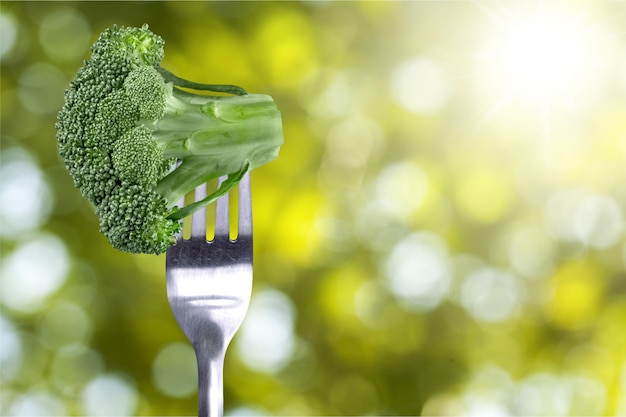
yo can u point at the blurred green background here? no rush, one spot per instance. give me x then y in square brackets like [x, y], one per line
[442, 234]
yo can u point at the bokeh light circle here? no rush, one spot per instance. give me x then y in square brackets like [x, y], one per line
[41, 87]
[109, 395]
[420, 86]
[65, 34]
[271, 313]
[25, 196]
[26, 284]
[8, 34]
[174, 370]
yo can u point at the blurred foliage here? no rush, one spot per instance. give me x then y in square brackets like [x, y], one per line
[432, 240]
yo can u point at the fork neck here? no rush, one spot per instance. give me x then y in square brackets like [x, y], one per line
[210, 381]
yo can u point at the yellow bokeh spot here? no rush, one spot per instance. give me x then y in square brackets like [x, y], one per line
[484, 195]
[375, 9]
[297, 227]
[285, 47]
[338, 291]
[221, 59]
[578, 290]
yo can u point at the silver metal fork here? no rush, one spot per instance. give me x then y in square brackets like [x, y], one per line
[209, 284]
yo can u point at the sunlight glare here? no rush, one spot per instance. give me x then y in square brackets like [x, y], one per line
[545, 56]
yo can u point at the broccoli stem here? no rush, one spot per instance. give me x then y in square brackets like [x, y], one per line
[216, 88]
[214, 135]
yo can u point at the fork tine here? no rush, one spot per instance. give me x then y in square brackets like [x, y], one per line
[198, 219]
[180, 203]
[245, 207]
[222, 218]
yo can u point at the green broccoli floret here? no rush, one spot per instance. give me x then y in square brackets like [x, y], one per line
[126, 121]
[137, 158]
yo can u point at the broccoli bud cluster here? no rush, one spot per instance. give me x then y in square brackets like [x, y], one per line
[126, 120]
[146, 89]
[112, 158]
[137, 158]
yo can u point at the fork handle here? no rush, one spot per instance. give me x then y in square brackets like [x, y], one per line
[210, 382]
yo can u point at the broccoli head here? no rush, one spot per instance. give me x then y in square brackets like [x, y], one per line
[126, 121]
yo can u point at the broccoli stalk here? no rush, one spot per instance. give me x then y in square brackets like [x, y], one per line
[126, 120]
[212, 135]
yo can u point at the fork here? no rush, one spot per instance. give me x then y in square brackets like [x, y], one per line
[209, 284]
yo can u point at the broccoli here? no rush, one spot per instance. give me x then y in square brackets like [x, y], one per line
[136, 138]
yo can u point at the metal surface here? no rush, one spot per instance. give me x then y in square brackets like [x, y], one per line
[208, 286]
